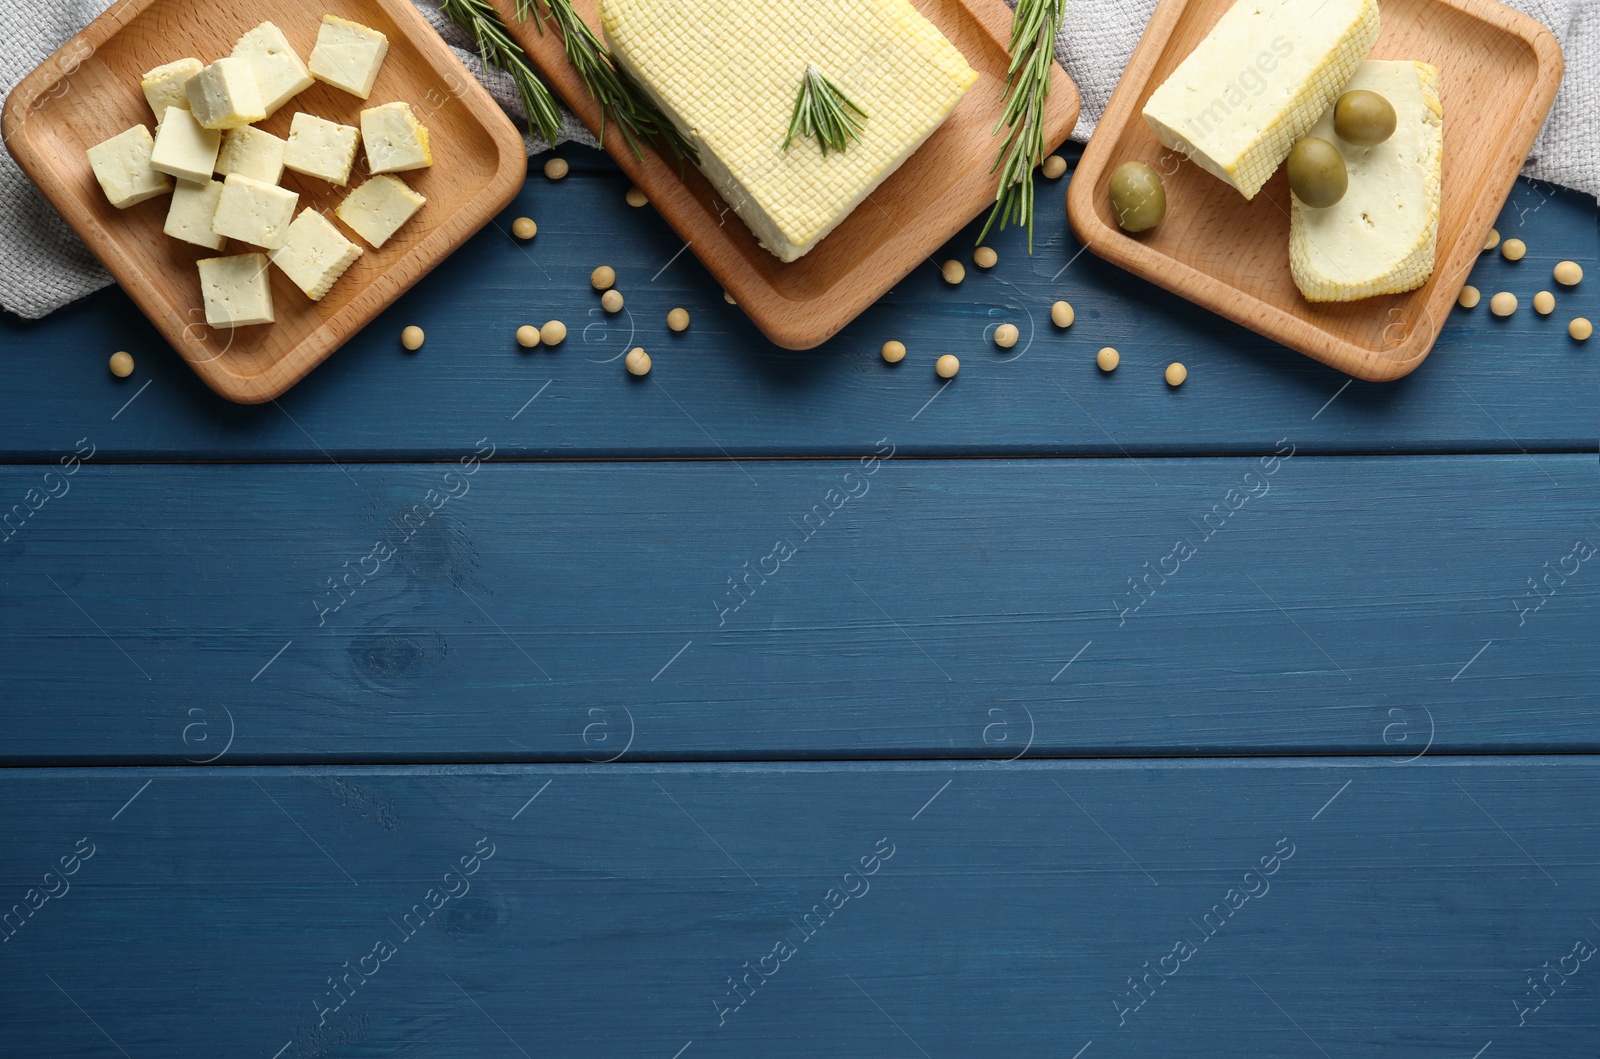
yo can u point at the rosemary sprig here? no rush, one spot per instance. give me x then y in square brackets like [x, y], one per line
[619, 98]
[497, 48]
[822, 110]
[1033, 34]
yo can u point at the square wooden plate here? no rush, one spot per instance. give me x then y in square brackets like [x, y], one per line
[926, 201]
[89, 90]
[1498, 72]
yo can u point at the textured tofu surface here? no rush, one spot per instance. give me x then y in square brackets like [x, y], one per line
[122, 166]
[727, 75]
[255, 212]
[1259, 80]
[279, 71]
[347, 55]
[321, 148]
[377, 209]
[314, 254]
[236, 290]
[183, 149]
[250, 152]
[224, 95]
[163, 86]
[395, 140]
[193, 208]
[1381, 237]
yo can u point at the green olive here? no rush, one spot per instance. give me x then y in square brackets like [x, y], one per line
[1137, 196]
[1363, 118]
[1316, 173]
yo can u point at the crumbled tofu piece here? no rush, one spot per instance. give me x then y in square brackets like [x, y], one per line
[236, 290]
[396, 141]
[194, 207]
[314, 254]
[122, 165]
[348, 55]
[250, 152]
[256, 212]
[163, 86]
[279, 71]
[183, 149]
[378, 208]
[321, 148]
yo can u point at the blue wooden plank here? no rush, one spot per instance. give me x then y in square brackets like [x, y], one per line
[1222, 908]
[1491, 385]
[530, 611]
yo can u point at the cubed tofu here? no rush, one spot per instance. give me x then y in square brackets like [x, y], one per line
[183, 149]
[250, 152]
[321, 148]
[280, 73]
[122, 165]
[395, 140]
[315, 254]
[163, 86]
[236, 290]
[377, 209]
[193, 208]
[348, 55]
[225, 95]
[254, 211]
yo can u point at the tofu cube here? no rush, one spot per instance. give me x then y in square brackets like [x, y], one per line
[321, 148]
[315, 254]
[250, 152]
[163, 86]
[254, 211]
[193, 208]
[377, 209]
[280, 73]
[224, 95]
[236, 290]
[183, 149]
[122, 165]
[396, 141]
[348, 55]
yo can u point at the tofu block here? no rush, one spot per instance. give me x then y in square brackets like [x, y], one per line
[395, 140]
[315, 254]
[193, 208]
[279, 71]
[163, 86]
[1258, 82]
[236, 290]
[254, 211]
[377, 209]
[348, 55]
[321, 148]
[224, 95]
[1382, 236]
[250, 152]
[183, 149]
[727, 76]
[122, 165]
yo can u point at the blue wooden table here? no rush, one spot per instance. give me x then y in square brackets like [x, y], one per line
[489, 702]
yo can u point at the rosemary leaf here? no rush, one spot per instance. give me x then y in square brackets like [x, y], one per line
[1033, 34]
[497, 48]
[822, 110]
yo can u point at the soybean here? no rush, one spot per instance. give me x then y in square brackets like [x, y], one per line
[1580, 329]
[678, 319]
[894, 352]
[611, 301]
[603, 278]
[524, 228]
[1493, 240]
[1469, 297]
[953, 271]
[1503, 304]
[1514, 249]
[635, 197]
[946, 366]
[1061, 314]
[637, 361]
[553, 333]
[412, 337]
[1054, 167]
[1176, 373]
[1569, 273]
[527, 336]
[121, 364]
[1005, 336]
[1107, 359]
[556, 168]
[1544, 303]
[985, 257]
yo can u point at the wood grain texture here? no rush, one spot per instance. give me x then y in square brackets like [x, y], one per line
[963, 608]
[1398, 910]
[939, 189]
[1499, 71]
[720, 387]
[89, 91]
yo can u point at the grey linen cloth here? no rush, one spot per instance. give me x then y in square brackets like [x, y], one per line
[44, 266]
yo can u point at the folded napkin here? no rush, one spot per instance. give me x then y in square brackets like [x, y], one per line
[43, 265]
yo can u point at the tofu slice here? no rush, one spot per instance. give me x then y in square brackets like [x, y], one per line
[396, 141]
[183, 148]
[321, 148]
[348, 55]
[727, 76]
[250, 152]
[163, 86]
[122, 166]
[1382, 236]
[377, 209]
[236, 290]
[279, 71]
[314, 254]
[1258, 81]
[193, 208]
[256, 212]
[224, 95]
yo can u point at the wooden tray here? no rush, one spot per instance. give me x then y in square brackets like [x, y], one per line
[928, 199]
[1499, 71]
[89, 90]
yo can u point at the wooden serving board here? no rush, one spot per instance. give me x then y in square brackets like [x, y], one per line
[802, 304]
[89, 90]
[1499, 71]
